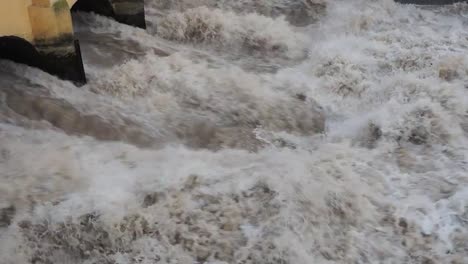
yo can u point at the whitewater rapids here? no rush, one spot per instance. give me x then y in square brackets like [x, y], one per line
[249, 132]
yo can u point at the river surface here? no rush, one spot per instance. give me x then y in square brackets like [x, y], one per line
[247, 131]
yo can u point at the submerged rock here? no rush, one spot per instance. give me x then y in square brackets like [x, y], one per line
[6, 216]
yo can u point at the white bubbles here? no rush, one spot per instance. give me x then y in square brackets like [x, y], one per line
[350, 148]
[252, 32]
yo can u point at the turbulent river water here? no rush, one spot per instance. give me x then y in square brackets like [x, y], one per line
[247, 131]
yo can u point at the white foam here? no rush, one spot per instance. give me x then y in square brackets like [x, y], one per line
[384, 183]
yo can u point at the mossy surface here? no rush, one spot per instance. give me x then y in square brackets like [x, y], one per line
[60, 5]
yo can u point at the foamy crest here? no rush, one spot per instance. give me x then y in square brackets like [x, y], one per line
[253, 32]
[297, 12]
[174, 84]
[239, 174]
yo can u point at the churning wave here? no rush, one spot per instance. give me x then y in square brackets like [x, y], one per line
[279, 132]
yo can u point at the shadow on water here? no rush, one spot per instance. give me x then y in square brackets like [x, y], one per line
[27, 104]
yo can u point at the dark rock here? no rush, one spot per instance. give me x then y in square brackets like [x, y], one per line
[375, 131]
[372, 136]
[419, 136]
[6, 216]
[152, 198]
[301, 97]
[403, 224]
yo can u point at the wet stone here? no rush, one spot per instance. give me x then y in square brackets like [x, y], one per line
[403, 224]
[202, 253]
[6, 216]
[153, 198]
[301, 97]
[419, 136]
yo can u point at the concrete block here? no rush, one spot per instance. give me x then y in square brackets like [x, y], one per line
[43, 24]
[63, 59]
[40, 32]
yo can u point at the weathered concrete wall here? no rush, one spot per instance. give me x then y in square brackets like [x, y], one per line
[43, 20]
[40, 32]
[63, 60]
[50, 22]
[14, 18]
[35, 19]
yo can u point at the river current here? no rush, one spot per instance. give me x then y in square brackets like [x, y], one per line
[247, 131]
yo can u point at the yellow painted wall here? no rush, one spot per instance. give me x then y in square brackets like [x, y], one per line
[64, 22]
[43, 3]
[14, 18]
[34, 19]
[71, 3]
[43, 23]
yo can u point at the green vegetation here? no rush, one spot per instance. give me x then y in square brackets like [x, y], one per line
[60, 5]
